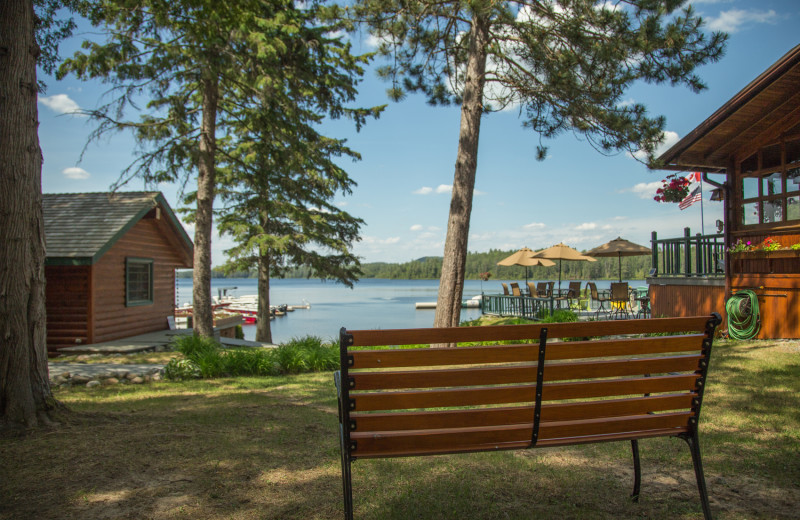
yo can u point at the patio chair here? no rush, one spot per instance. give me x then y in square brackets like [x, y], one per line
[505, 289]
[574, 295]
[531, 289]
[569, 295]
[620, 299]
[596, 297]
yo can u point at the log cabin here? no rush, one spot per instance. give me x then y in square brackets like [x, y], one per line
[110, 266]
[749, 149]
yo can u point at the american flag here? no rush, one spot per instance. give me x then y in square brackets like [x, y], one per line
[690, 199]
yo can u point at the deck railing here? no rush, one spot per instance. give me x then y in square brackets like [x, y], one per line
[689, 256]
[519, 306]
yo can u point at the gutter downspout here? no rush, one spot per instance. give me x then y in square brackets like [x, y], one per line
[726, 223]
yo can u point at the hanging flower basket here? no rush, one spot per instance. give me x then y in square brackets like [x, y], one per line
[674, 188]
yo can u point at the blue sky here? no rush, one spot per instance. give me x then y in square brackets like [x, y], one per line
[576, 196]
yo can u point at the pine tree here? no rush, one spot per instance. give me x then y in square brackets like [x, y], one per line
[281, 177]
[29, 34]
[566, 64]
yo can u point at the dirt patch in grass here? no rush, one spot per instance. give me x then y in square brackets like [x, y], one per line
[267, 448]
[158, 358]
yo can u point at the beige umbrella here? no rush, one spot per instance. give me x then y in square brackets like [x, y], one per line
[562, 252]
[619, 247]
[524, 258]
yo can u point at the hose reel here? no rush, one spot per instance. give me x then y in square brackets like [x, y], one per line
[744, 320]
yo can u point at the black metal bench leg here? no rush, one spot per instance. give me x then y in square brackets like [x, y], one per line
[347, 479]
[694, 445]
[637, 470]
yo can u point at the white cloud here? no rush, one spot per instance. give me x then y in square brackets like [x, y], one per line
[733, 20]
[586, 226]
[646, 190]
[670, 138]
[427, 190]
[380, 241]
[416, 227]
[534, 225]
[628, 102]
[60, 104]
[75, 173]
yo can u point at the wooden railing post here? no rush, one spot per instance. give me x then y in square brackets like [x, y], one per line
[687, 253]
[654, 248]
[699, 254]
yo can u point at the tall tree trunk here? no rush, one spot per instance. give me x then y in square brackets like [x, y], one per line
[451, 283]
[263, 329]
[25, 393]
[203, 317]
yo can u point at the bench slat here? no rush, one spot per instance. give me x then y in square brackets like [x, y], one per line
[481, 376]
[457, 439]
[403, 400]
[394, 421]
[589, 439]
[423, 357]
[623, 347]
[371, 338]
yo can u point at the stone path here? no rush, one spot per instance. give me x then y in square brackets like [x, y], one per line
[95, 374]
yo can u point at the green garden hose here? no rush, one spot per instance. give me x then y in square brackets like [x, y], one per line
[743, 315]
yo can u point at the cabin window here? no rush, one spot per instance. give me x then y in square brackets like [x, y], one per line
[138, 281]
[771, 185]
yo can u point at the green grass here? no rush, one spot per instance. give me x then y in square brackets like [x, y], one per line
[267, 448]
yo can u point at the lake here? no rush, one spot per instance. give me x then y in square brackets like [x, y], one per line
[371, 304]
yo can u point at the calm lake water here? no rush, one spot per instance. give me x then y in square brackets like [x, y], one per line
[371, 304]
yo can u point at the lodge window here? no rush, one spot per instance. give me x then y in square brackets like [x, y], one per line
[138, 281]
[771, 185]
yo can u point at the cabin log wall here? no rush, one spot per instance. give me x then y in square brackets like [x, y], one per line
[67, 297]
[112, 318]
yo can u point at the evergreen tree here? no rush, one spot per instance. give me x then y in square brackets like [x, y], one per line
[29, 35]
[281, 176]
[565, 63]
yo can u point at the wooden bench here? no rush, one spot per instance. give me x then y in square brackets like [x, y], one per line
[521, 389]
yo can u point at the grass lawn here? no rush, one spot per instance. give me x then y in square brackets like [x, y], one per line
[267, 448]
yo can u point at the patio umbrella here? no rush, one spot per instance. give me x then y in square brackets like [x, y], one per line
[619, 247]
[562, 252]
[523, 257]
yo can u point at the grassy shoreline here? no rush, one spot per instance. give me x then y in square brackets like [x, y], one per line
[267, 447]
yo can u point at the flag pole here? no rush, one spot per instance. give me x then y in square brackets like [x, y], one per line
[702, 219]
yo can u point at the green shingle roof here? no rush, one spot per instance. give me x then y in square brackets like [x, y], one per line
[81, 227]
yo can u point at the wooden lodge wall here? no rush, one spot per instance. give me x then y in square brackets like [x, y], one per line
[86, 304]
[686, 300]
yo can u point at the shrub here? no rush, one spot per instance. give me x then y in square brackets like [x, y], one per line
[206, 358]
[178, 369]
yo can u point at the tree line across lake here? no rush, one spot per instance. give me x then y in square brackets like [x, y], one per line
[426, 268]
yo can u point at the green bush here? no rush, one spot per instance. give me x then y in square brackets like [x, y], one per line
[178, 369]
[206, 358]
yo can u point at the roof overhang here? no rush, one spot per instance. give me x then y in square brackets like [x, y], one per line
[767, 107]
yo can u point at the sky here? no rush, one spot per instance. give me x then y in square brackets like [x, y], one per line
[576, 195]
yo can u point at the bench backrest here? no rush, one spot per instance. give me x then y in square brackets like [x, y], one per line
[422, 400]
